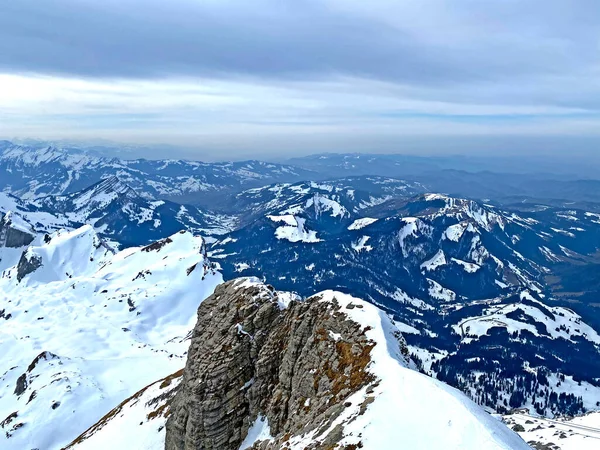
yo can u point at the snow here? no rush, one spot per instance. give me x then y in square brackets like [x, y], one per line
[439, 292]
[240, 267]
[299, 189]
[462, 209]
[374, 201]
[68, 254]
[323, 187]
[563, 232]
[360, 245]
[467, 266]
[477, 252]
[285, 298]
[455, 232]
[437, 260]
[294, 229]
[361, 223]
[565, 324]
[46, 220]
[322, 204]
[138, 413]
[335, 336]
[593, 216]
[114, 323]
[500, 284]
[405, 328]
[17, 222]
[9, 257]
[411, 229]
[549, 255]
[433, 197]
[578, 433]
[568, 252]
[259, 431]
[288, 219]
[402, 297]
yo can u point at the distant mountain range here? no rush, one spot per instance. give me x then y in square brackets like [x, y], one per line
[498, 298]
[31, 172]
[476, 178]
[117, 212]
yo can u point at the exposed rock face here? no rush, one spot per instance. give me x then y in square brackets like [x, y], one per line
[22, 381]
[251, 358]
[15, 232]
[28, 263]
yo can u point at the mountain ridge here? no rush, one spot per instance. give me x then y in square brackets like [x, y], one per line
[284, 395]
[33, 172]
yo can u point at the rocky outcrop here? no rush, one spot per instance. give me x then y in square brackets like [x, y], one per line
[255, 360]
[28, 263]
[15, 232]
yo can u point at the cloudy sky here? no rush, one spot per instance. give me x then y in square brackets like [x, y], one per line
[303, 76]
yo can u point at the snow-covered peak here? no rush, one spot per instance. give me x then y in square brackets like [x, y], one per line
[323, 204]
[63, 255]
[103, 192]
[23, 155]
[462, 209]
[359, 224]
[338, 199]
[33, 172]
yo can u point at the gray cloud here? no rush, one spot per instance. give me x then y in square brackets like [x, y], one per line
[304, 75]
[440, 42]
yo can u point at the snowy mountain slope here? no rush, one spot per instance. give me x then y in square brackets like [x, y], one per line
[470, 278]
[117, 213]
[41, 221]
[337, 199]
[32, 172]
[84, 328]
[528, 314]
[64, 255]
[136, 423]
[462, 246]
[393, 402]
